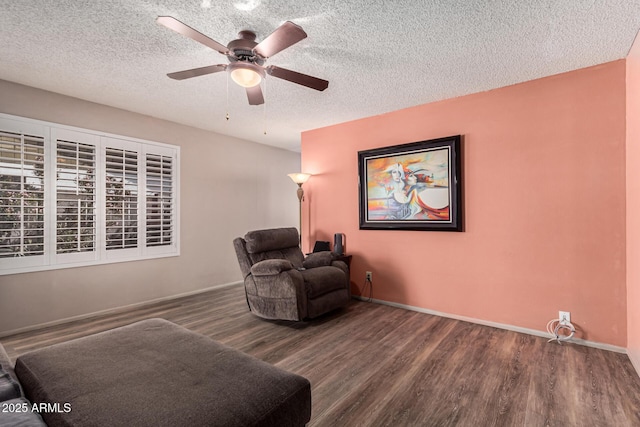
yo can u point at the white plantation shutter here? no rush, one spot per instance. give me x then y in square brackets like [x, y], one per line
[159, 200]
[122, 189]
[72, 197]
[22, 192]
[75, 197]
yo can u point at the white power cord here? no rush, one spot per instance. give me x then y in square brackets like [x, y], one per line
[368, 283]
[554, 326]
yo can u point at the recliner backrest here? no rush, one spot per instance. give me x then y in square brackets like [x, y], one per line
[243, 256]
[275, 243]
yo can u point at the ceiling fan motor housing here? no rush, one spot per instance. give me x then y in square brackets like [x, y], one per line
[241, 49]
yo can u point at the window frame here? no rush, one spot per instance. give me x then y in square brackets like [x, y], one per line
[51, 260]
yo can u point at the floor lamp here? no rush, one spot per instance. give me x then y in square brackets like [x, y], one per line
[299, 178]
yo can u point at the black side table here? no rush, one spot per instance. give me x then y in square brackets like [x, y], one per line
[345, 258]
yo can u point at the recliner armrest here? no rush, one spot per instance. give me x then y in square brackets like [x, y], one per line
[341, 265]
[318, 259]
[270, 267]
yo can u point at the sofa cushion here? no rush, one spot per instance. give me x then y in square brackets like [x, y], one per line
[156, 373]
[18, 413]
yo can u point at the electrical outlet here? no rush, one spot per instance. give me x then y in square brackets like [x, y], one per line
[369, 276]
[564, 317]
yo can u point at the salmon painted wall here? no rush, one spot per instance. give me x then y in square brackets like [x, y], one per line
[633, 204]
[544, 202]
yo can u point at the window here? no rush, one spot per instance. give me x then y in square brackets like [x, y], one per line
[122, 198]
[75, 197]
[71, 197]
[159, 200]
[22, 185]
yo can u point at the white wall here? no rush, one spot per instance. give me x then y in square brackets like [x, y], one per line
[228, 187]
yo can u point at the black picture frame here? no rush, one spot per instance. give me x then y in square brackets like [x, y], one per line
[414, 186]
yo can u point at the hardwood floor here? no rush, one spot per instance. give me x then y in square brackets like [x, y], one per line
[375, 365]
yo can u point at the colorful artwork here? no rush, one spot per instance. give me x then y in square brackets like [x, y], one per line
[411, 186]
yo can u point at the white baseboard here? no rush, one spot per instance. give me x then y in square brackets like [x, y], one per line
[513, 328]
[113, 310]
[635, 359]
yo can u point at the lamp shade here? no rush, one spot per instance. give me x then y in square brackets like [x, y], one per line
[299, 178]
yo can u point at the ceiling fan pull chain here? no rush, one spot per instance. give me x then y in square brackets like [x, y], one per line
[264, 107]
[227, 116]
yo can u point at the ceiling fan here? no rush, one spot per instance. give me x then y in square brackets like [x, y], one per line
[247, 57]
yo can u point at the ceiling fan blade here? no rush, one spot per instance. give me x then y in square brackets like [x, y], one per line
[299, 78]
[195, 72]
[185, 30]
[255, 95]
[282, 37]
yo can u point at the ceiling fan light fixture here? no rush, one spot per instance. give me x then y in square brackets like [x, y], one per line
[246, 74]
[245, 77]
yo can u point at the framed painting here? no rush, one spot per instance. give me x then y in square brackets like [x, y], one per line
[415, 186]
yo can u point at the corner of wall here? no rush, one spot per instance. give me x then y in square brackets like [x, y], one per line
[632, 158]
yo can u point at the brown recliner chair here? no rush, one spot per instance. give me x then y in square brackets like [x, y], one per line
[281, 284]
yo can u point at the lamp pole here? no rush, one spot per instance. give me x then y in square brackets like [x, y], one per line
[300, 193]
[299, 178]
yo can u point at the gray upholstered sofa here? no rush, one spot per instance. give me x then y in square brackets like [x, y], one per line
[156, 373]
[15, 409]
[280, 283]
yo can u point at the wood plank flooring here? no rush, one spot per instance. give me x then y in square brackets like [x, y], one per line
[375, 365]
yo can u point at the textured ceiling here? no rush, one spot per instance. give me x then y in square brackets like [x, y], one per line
[378, 55]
